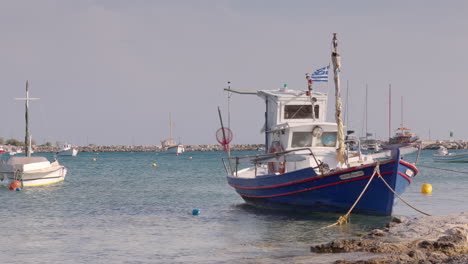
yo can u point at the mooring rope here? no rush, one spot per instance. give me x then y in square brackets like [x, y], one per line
[345, 218]
[466, 172]
[399, 197]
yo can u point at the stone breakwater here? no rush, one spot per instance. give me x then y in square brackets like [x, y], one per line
[449, 144]
[431, 239]
[149, 148]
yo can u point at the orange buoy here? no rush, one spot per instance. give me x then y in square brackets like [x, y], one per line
[15, 184]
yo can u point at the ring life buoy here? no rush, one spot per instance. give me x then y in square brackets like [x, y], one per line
[276, 167]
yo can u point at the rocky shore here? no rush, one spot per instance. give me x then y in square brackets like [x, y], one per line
[431, 239]
[149, 148]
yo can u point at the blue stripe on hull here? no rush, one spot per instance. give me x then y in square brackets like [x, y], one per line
[304, 190]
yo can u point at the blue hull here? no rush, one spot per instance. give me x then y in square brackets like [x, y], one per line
[332, 192]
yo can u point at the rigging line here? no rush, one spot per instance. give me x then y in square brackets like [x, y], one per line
[466, 172]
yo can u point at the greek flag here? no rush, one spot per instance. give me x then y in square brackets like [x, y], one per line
[321, 75]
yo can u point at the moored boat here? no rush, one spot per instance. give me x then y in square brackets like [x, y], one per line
[67, 150]
[169, 145]
[443, 155]
[30, 171]
[306, 166]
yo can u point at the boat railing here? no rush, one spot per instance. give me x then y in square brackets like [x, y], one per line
[256, 160]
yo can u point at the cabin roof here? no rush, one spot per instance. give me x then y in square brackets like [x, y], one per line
[288, 94]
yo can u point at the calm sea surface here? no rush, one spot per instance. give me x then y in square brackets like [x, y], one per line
[120, 209]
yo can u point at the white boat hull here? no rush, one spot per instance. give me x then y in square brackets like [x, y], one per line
[31, 171]
[69, 152]
[452, 157]
[175, 149]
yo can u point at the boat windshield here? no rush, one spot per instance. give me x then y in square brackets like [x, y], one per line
[300, 111]
[301, 139]
[326, 139]
[306, 139]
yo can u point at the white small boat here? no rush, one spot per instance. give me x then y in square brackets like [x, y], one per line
[443, 155]
[30, 171]
[67, 150]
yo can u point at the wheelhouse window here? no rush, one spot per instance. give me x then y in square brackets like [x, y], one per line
[301, 140]
[300, 111]
[325, 139]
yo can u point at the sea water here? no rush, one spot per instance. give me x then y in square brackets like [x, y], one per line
[122, 209]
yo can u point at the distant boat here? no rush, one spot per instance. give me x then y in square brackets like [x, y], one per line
[169, 145]
[67, 150]
[14, 151]
[307, 167]
[30, 171]
[403, 136]
[443, 155]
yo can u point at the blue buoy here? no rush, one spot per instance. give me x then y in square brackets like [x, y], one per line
[195, 212]
[18, 189]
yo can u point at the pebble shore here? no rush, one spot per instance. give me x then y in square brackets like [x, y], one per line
[430, 239]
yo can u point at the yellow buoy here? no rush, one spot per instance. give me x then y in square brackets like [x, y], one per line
[426, 188]
[94, 159]
[154, 165]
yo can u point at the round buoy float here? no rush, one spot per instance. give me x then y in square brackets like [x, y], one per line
[426, 188]
[15, 184]
[190, 157]
[18, 189]
[94, 159]
[195, 212]
[154, 165]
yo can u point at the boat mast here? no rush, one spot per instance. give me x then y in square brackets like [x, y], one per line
[366, 113]
[27, 141]
[401, 125]
[389, 111]
[170, 127]
[336, 60]
[27, 138]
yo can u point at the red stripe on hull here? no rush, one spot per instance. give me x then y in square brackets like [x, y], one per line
[308, 189]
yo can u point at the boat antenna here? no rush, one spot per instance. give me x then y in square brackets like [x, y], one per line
[336, 60]
[27, 138]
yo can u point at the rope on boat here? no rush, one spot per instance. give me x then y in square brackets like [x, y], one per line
[399, 197]
[442, 169]
[345, 218]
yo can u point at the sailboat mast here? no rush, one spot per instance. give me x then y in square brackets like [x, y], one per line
[401, 111]
[366, 112]
[389, 111]
[170, 126]
[347, 104]
[27, 141]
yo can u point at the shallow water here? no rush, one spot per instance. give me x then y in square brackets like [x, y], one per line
[120, 209]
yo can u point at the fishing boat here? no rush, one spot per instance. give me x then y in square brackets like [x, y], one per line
[443, 155]
[169, 145]
[67, 150]
[307, 166]
[30, 171]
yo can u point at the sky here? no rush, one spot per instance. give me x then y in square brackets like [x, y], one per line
[111, 72]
